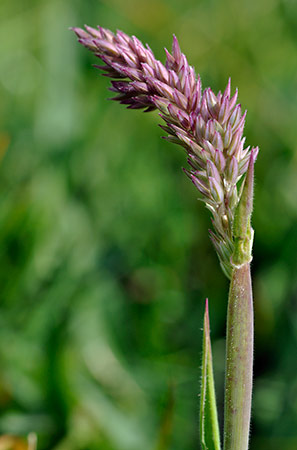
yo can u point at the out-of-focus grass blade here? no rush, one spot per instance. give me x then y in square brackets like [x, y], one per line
[209, 427]
[167, 420]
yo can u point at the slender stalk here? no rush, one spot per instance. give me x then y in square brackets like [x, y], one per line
[239, 360]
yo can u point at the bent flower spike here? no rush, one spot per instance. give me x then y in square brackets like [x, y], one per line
[208, 126]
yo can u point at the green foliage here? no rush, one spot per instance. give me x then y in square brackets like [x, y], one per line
[105, 259]
[209, 427]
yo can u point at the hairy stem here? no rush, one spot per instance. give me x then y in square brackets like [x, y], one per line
[239, 360]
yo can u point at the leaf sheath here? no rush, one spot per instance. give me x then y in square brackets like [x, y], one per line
[239, 360]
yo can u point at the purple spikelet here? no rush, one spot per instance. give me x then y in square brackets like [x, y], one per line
[208, 126]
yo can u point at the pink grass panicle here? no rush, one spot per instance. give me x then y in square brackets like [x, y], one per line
[209, 127]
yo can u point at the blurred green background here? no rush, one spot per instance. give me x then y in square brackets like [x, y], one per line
[105, 260]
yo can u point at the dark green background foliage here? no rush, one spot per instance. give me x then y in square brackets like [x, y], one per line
[105, 260]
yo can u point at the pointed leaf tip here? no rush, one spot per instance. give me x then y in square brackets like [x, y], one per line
[242, 229]
[250, 183]
[209, 428]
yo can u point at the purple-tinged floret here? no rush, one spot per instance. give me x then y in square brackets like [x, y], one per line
[208, 126]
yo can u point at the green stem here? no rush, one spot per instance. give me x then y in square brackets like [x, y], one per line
[239, 360]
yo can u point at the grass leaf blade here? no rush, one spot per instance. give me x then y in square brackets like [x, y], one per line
[209, 427]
